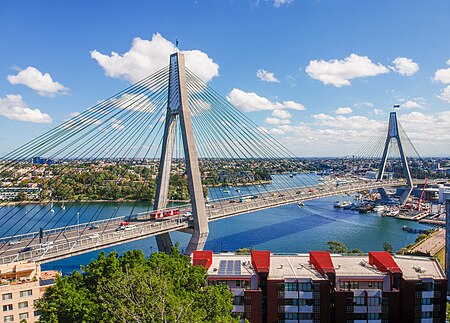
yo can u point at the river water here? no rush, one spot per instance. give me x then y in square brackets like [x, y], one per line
[286, 229]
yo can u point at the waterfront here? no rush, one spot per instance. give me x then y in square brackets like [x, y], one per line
[287, 229]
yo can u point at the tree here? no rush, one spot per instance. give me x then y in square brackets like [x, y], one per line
[131, 288]
[387, 247]
[337, 247]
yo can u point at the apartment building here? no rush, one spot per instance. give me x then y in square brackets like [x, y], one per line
[324, 287]
[21, 286]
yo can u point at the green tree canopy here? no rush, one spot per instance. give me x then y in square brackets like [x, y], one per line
[131, 288]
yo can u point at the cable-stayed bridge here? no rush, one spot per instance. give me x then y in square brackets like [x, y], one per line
[182, 136]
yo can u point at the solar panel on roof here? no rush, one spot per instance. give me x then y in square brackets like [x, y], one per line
[222, 266]
[229, 269]
[237, 267]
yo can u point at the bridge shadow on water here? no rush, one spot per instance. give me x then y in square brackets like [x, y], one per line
[306, 220]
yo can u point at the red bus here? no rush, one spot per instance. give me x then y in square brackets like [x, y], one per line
[171, 212]
[156, 215]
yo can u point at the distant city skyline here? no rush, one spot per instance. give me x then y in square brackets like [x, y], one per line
[320, 76]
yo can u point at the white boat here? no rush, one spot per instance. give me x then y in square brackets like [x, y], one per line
[379, 208]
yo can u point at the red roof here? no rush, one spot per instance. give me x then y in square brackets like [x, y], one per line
[202, 258]
[261, 260]
[321, 260]
[383, 261]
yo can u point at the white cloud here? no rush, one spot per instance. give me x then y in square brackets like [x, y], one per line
[405, 66]
[276, 121]
[443, 75]
[42, 83]
[251, 102]
[417, 103]
[14, 108]
[280, 3]
[148, 56]
[377, 111]
[282, 114]
[343, 110]
[445, 94]
[293, 105]
[266, 76]
[340, 72]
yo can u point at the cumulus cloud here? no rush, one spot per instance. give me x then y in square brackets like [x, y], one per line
[36, 80]
[405, 66]
[417, 103]
[280, 3]
[14, 108]
[282, 114]
[340, 72]
[266, 76]
[445, 94]
[443, 75]
[343, 110]
[251, 102]
[276, 121]
[148, 56]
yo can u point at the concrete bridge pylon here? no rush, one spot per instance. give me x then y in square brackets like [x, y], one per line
[393, 134]
[178, 111]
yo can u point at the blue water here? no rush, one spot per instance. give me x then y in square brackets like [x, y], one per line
[286, 229]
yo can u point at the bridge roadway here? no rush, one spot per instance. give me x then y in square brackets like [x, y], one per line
[78, 239]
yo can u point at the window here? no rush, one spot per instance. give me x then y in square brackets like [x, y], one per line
[242, 284]
[305, 287]
[426, 315]
[375, 285]
[26, 293]
[8, 318]
[5, 297]
[238, 300]
[305, 316]
[374, 316]
[427, 287]
[359, 300]
[23, 316]
[7, 307]
[427, 301]
[37, 313]
[23, 304]
[291, 301]
[373, 301]
[348, 285]
[291, 316]
[290, 287]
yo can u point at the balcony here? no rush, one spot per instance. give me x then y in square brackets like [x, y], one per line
[291, 309]
[290, 294]
[429, 294]
[238, 308]
[359, 309]
[308, 295]
[237, 291]
[305, 309]
[427, 308]
[374, 309]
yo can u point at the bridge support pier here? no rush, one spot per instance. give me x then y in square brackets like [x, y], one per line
[394, 134]
[178, 109]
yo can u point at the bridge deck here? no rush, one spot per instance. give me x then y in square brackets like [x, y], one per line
[77, 239]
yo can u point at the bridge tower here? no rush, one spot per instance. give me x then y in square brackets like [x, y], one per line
[178, 110]
[393, 133]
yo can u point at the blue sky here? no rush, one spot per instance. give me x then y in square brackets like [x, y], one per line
[338, 66]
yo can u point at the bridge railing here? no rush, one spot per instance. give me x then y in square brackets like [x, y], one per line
[86, 242]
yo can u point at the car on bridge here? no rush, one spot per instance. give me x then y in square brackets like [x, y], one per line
[26, 249]
[46, 245]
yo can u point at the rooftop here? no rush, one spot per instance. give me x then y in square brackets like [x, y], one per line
[419, 267]
[299, 266]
